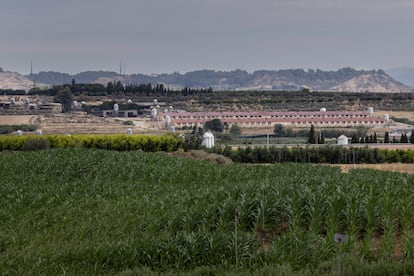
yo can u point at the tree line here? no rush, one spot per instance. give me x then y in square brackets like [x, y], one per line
[320, 154]
[117, 88]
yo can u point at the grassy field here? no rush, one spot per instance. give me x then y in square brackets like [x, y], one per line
[79, 211]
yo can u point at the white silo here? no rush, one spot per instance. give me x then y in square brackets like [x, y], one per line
[342, 140]
[323, 109]
[208, 140]
[167, 121]
[172, 129]
[19, 133]
[39, 132]
[386, 118]
[75, 104]
[370, 111]
[155, 101]
[129, 131]
[39, 103]
[129, 101]
[154, 114]
[116, 107]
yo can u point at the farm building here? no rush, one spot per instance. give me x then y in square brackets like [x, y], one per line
[269, 119]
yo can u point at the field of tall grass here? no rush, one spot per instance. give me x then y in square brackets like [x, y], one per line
[90, 211]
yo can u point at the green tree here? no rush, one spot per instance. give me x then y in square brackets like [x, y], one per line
[355, 139]
[235, 130]
[312, 135]
[279, 130]
[65, 97]
[215, 125]
[322, 140]
[386, 137]
[404, 138]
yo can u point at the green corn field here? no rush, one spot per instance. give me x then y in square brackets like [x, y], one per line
[90, 211]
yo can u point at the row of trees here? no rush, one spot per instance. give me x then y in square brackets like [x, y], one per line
[322, 154]
[96, 89]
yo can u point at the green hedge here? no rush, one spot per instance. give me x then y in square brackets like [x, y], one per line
[150, 143]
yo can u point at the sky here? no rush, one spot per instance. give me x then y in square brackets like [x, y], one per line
[165, 36]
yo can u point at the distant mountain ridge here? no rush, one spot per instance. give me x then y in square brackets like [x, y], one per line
[345, 79]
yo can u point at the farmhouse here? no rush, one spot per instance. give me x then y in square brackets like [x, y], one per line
[119, 113]
[269, 119]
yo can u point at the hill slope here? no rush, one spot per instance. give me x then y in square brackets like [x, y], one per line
[345, 79]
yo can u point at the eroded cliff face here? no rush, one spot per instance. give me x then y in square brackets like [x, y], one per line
[16, 81]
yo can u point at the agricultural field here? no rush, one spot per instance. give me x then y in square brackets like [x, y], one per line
[88, 211]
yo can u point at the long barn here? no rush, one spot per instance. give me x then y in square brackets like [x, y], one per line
[269, 119]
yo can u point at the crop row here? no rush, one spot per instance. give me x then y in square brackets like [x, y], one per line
[96, 211]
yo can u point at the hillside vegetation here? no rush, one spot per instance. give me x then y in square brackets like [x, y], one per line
[83, 211]
[345, 79]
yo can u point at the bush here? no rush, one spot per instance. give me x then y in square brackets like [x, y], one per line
[35, 144]
[128, 123]
[150, 143]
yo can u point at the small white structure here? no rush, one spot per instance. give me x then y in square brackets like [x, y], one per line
[116, 108]
[19, 133]
[323, 109]
[386, 118]
[208, 140]
[370, 111]
[167, 121]
[129, 131]
[39, 132]
[154, 114]
[129, 101]
[342, 140]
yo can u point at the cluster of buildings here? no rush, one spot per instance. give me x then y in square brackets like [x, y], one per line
[22, 104]
[321, 118]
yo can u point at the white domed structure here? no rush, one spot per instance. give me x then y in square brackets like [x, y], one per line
[167, 121]
[208, 140]
[154, 114]
[323, 109]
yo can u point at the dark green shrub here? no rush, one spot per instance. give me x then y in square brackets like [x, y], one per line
[35, 144]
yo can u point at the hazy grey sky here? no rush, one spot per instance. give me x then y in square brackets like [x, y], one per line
[155, 36]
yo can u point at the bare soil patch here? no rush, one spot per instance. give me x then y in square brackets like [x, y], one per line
[393, 167]
[17, 119]
[202, 155]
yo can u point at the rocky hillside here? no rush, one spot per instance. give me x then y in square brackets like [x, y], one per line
[345, 79]
[15, 81]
